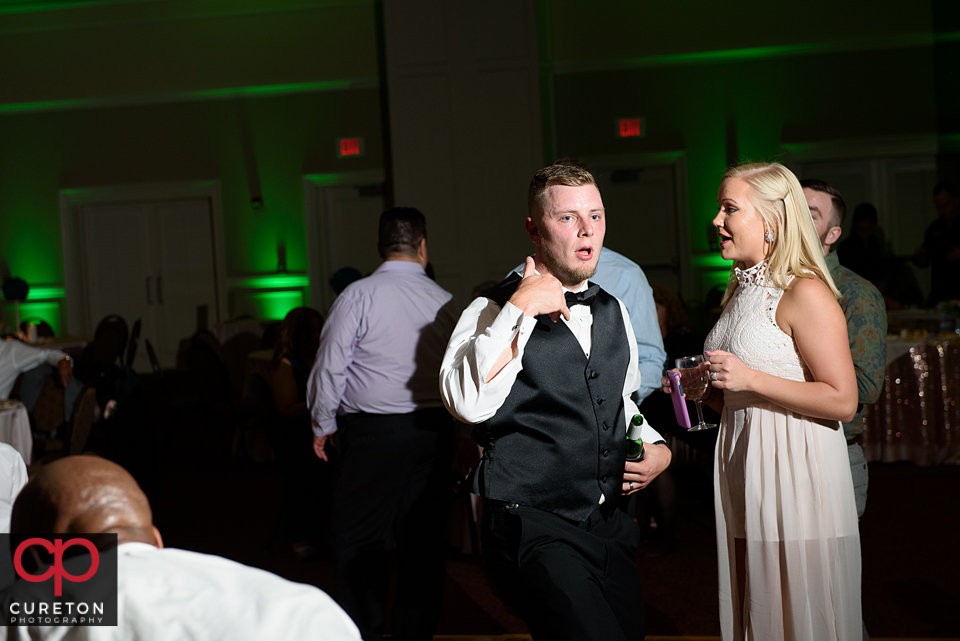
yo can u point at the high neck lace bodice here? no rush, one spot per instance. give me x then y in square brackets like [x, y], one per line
[756, 275]
[748, 327]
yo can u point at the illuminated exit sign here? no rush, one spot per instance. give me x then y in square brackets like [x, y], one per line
[347, 147]
[631, 128]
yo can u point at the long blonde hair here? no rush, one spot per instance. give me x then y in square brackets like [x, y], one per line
[778, 198]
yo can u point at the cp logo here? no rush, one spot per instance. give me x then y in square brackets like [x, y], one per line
[56, 570]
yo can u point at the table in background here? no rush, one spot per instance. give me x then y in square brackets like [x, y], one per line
[917, 417]
[15, 428]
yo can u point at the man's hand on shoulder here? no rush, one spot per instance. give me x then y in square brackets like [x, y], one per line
[540, 294]
[656, 459]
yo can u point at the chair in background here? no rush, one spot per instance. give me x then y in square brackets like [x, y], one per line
[154, 361]
[73, 437]
[46, 418]
[132, 346]
[84, 415]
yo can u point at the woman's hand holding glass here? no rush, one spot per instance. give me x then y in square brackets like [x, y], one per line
[694, 376]
[727, 372]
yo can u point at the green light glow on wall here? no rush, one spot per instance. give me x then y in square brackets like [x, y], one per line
[713, 278]
[762, 53]
[189, 96]
[46, 292]
[36, 7]
[714, 260]
[274, 281]
[271, 305]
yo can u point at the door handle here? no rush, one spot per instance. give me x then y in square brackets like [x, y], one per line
[149, 302]
[159, 289]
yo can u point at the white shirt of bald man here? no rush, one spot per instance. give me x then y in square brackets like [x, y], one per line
[13, 476]
[177, 594]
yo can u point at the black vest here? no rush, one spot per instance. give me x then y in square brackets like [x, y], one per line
[558, 440]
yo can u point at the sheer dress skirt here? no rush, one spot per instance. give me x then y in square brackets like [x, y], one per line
[782, 483]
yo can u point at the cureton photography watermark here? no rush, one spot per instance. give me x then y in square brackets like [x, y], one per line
[58, 579]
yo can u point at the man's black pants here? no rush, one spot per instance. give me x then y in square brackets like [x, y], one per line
[568, 580]
[394, 487]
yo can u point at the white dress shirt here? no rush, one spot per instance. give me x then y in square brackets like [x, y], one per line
[485, 331]
[176, 594]
[17, 357]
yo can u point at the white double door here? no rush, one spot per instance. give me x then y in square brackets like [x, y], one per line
[154, 261]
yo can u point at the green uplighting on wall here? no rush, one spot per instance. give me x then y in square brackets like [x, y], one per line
[273, 305]
[714, 278]
[713, 260]
[274, 281]
[189, 96]
[764, 53]
[46, 292]
[48, 5]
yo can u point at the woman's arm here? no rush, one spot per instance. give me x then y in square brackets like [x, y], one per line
[809, 313]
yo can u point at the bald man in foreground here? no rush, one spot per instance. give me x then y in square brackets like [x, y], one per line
[164, 593]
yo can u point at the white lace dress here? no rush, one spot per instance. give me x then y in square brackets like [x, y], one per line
[782, 484]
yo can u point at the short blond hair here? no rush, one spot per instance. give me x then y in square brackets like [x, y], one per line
[565, 173]
[796, 251]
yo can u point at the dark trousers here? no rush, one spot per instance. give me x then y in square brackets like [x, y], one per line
[394, 487]
[575, 581]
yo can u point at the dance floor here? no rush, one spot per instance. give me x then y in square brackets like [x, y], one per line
[910, 539]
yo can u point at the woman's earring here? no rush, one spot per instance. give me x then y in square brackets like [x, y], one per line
[769, 236]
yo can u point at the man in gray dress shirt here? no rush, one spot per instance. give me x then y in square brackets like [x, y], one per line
[374, 385]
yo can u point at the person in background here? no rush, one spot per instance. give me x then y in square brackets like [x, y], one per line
[374, 387]
[866, 318]
[38, 362]
[788, 552]
[864, 250]
[941, 245]
[161, 592]
[13, 476]
[308, 485]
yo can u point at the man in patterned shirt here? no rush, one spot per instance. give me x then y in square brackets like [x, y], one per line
[866, 317]
[866, 322]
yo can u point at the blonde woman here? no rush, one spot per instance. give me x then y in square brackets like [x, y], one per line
[783, 379]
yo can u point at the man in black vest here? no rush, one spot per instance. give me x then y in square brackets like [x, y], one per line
[550, 401]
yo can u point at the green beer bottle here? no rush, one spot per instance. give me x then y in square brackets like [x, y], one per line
[634, 444]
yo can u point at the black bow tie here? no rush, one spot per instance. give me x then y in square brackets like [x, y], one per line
[582, 298]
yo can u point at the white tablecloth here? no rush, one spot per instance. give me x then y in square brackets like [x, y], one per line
[15, 428]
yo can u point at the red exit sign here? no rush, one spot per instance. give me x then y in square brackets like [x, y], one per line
[347, 147]
[631, 128]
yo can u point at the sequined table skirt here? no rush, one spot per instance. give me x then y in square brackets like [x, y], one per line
[917, 417]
